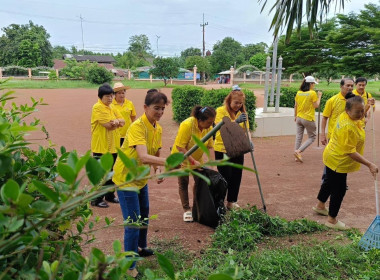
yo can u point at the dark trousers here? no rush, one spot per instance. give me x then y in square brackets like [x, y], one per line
[232, 175]
[110, 195]
[334, 186]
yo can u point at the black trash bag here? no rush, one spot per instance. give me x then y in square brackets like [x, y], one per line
[208, 206]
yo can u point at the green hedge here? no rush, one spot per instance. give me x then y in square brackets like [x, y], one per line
[289, 94]
[186, 97]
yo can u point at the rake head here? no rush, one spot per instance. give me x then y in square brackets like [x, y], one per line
[371, 238]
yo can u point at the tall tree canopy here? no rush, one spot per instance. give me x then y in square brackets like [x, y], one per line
[250, 50]
[190, 52]
[139, 45]
[25, 45]
[165, 68]
[225, 54]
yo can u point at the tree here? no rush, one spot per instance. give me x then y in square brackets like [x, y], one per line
[258, 60]
[25, 45]
[308, 55]
[290, 12]
[190, 52]
[139, 45]
[225, 54]
[356, 42]
[164, 68]
[59, 51]
[202, 63]
[250, 50]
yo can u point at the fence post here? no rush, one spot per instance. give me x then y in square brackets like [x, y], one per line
[244, 77]
[1, 73]
[195, 75]
[151, 78]
[231, 75]
[29, 73]
[279, 72]
[129, 74]
[57, 73]
[171, 80]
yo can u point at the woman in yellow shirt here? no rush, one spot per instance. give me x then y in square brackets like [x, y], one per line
[304, 115]
[343, 154]
[233, 108]
[125, 107]
[105, 137]
[199, 124]
[142, 143]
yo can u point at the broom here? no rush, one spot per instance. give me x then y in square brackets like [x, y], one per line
[371, 238]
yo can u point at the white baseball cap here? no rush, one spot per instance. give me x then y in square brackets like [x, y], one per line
[310, 79]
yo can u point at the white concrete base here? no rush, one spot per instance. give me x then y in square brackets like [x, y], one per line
[275, 124]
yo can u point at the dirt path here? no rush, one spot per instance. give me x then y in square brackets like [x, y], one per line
[290, 188]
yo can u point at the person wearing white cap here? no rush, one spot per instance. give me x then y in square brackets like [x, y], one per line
[125, 107]
[304, 115]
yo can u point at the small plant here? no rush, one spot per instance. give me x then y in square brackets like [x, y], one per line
[98, 75]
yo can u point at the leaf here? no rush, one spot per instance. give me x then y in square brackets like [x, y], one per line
[43, 206]
[63, 150]
[201, 145]
[54, 266]
[106, 161]
[72, 160]
[15, 225]
[117, 246]
[130, 164]
[220, 276]
[66, 172]
[82, 161]
[11, 190]
[98, 254]
[174, 160]
[24, 200]
[165, 265]
[95, 172]
[45, 190]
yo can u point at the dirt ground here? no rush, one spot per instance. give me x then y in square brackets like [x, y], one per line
[289, 188]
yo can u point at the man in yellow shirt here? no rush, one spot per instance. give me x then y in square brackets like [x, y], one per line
[334, 107]
[105, 137]
[125, 107]
[360, 84]
[343, 154]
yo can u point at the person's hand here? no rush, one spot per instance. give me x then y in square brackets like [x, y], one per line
[323, 139]
[319, 93]
[241, 118]
[371, 101]
[295, 118]
[252, 146]
[158, 172]
[373, 169]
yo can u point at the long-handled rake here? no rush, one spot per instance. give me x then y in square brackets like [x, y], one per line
[371, 238]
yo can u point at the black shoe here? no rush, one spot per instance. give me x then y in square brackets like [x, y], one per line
[146, 252]
[101, 204]
[113, 200]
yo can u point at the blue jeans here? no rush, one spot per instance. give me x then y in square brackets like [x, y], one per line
[133, 205]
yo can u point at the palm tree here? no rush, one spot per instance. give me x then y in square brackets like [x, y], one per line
[290, 12]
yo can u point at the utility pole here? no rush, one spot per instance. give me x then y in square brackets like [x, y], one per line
[158, 37]
[203, 30]
[81, 26]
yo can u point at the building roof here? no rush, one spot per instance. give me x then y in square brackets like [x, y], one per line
[92, 58]
[59, 64]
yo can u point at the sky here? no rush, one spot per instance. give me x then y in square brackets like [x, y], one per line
[171, 25]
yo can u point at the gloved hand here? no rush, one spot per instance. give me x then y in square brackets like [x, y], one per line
[241, 118]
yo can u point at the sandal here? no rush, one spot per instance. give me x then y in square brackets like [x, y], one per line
[323, 212]
[298, 157]
[234, 205]
[338, 225]
[188, 216]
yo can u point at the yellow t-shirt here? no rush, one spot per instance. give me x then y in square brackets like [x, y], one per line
[364, 96]
[141, 132]
[222, 112]
[102, 139]
[305, 107]
[127, 110]
[333, 108]
[185, 140]
[348, 137]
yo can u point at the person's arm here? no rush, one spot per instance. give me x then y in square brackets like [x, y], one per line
[190, 158]
[121, 122]
[323, 129]
[146, 158]
[318, 102]
[359, 158]
[157, 169]
[111, 125]
[133, 118]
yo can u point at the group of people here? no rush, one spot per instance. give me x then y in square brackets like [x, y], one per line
[114, 126]
[346, 115]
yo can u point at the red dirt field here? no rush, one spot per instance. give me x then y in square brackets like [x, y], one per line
[290, 188]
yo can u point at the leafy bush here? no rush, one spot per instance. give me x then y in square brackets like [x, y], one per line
[215, 98]
[74, 69]
[98, 75]
[288, 96]
[184, 99]
[53, 75]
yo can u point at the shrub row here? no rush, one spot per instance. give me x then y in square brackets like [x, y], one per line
[288, 96]
[186, 97]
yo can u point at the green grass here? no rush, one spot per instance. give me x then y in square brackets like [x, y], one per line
[251, 86]
[253, 245]
[50, 84]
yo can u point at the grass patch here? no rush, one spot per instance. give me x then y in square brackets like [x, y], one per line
[50, 84]
[251, 86]
[252, 245]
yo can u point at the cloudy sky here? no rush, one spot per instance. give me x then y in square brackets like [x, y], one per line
[173, 24]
